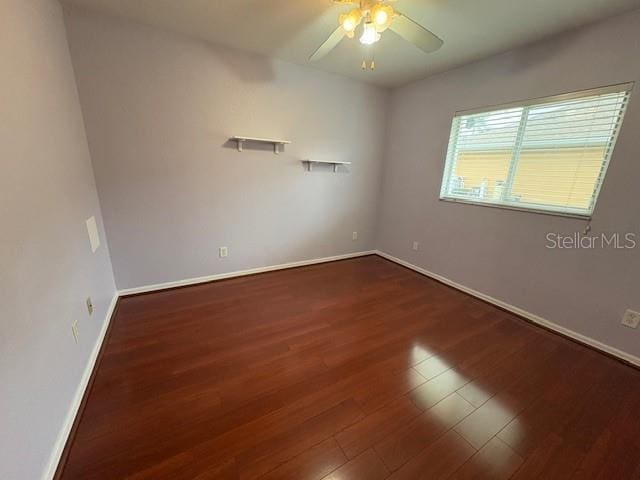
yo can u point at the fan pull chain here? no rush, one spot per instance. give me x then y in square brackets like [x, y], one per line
[372, 63]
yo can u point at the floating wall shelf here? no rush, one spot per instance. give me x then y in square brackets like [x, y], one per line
[276, 143]
[309, 164]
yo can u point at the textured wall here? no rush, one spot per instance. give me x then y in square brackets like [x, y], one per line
[159, 109]
[499, 252]
[47, 191]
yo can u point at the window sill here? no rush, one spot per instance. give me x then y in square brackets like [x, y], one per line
[538, 211]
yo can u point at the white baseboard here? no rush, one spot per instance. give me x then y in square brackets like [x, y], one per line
[239, 273]
[627, 357]
[77, 399]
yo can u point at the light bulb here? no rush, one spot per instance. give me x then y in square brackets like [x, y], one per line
[350, 21]
[349, 25]
[369, 34]
[381, 17]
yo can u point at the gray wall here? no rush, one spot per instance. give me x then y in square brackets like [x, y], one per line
[47, 191]
[499, 252]
[159, 109]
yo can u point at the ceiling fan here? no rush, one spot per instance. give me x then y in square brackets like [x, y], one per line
[371, 18]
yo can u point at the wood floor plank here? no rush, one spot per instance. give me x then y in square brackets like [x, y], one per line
[400, 446]
[384, 387]
[615, 452]
[265, 456]
[549, 402]
[312, 464]
[495, 461]
[349, 370]
[479, 427]
[552, 459]
[437, 461]
[366, 432]
[475, 394]
[366, 466]
[432, 367]
[437, 389]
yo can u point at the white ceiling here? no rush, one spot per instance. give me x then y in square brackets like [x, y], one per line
[292, 29]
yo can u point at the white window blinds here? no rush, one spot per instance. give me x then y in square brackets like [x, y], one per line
[547, 155]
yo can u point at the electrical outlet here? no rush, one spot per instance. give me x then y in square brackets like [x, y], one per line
[354, 236]
[416, 246]
[223, 252]
[75, 331]
[89, 306]
[631, 319]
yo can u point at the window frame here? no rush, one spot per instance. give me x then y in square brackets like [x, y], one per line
[526, 105]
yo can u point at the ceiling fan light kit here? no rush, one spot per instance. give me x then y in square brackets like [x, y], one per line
[376, 16]
[382, 16]
[369, 34]
[350, 21]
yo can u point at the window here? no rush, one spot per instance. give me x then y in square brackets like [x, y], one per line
[547, 155]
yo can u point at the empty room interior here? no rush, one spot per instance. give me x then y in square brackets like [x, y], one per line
[319, 240]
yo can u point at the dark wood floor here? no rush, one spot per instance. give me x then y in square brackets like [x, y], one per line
[359, 369]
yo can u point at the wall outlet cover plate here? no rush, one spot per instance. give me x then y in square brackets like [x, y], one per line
[631, 319]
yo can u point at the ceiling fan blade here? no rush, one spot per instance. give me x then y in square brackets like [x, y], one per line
[329, 44]
[415, 33]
